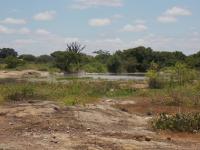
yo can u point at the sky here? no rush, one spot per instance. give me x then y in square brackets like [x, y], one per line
[43, 26]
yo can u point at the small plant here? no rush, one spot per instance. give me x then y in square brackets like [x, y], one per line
[179, 122]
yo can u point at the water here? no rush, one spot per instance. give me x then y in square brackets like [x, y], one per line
[110, 76]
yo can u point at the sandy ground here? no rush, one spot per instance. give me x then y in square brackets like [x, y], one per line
[100, 126]
[23, 74]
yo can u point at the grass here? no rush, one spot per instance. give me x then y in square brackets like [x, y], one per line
[71, 93]
[179, 122]
[187, 95]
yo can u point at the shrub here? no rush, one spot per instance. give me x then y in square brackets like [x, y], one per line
[179, 122]
[13, 62]
[154, 80]
[95, 67]
[179, 74]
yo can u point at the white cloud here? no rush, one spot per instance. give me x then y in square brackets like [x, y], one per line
[5, 30]
[42, 32]
[171, 15]
[45, 16]
[135, 28]
[178, 11]
[83, 4]
[99, 22]
[13, 21]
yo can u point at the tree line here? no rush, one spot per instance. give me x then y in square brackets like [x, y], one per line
[73, 59]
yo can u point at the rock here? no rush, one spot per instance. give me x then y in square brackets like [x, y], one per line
[56, 108]
[195, 131]
[149, 113]
[88, 129]
[124, 109]
[169, 139]
[54, 137]
[10, 123]
[54, 141]
[148, 139]
[109, 100]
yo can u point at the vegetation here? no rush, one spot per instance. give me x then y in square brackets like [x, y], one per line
[173, 80]
[132, 60]
[179, 122]
[73, 91]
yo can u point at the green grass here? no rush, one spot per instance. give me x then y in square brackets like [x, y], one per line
[71, 93]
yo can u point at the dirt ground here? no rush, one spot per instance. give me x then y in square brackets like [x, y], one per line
[23, 74]
[49, 126]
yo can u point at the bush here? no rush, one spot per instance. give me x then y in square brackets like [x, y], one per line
[179, 74]
[13, 62]
[178, 122]
[95, 67]
[154, 80]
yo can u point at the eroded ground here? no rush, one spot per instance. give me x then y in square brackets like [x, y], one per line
[100, 126]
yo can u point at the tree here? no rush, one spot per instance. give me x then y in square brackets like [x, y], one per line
[28, 57]
[75, 47]
[115, 64]
[194, 60]
[12, 62]
[6, 52]
[102, 56]
[70, 59]
[44, 59]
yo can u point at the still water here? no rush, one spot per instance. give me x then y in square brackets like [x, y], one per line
[110, 76]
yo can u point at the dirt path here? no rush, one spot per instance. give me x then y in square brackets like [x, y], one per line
[47, 126]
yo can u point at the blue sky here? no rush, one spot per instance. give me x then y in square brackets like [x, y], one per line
[43, 26]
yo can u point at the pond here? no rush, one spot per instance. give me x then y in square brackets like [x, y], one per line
[110, 76]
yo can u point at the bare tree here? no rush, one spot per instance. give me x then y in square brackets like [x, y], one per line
[75, 47]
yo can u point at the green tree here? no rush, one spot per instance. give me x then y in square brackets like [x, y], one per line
[12, 62]
[6, 52]
[70, 59]
[27, 57]
[44, 59]
[102, 56]
[115, 64]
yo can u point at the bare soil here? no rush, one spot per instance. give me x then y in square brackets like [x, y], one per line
[100, 126]
[23, 74]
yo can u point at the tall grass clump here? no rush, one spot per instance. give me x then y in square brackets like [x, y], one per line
[18, 92]
[179, 122]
